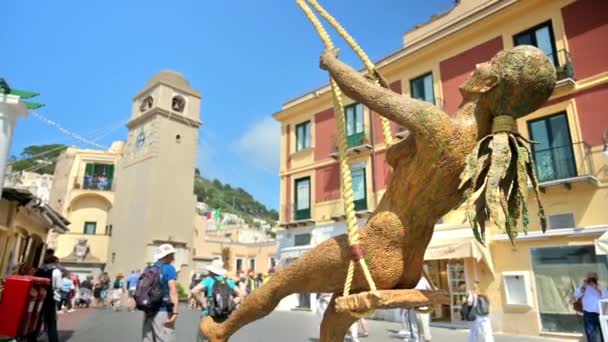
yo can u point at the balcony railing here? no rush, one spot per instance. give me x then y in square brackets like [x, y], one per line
[294, 217]
[356, 139]
[565, 70]
[94, 183]
[563, 163]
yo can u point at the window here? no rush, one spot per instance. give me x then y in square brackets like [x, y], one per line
[516, 285]
[540, 36]
[302, 199]
[354, 124]
[561, 221]
[239, 265]
[421, 88]
[557, 271]
[553, 154]
[359, 188]
[98, 176]
[272, 262]
[252, 264]
[302, 239]
[303, 136]
[109, 230]
[90, 227]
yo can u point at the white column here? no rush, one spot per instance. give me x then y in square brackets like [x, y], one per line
[11, 107]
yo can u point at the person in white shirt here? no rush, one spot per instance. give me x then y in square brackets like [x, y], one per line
[591, 292]
[482, 324]
[416, 322]
[423, 315]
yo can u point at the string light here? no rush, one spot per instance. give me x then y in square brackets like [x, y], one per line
[65, 130]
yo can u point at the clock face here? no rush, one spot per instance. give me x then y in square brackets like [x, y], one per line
[141, 139]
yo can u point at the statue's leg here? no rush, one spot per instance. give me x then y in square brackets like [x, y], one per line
[335, 324]
[323, 269]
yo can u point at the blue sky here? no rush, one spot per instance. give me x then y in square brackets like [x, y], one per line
[89, 58]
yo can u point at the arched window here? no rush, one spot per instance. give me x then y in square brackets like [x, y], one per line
[178, 103]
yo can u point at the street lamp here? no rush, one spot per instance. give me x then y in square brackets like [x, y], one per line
[12, 107]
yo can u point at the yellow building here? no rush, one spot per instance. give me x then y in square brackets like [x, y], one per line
[83, 191]
[529, 284]
[25, 222]
[242, 249]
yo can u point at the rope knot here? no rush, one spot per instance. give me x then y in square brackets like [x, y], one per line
[503, 123]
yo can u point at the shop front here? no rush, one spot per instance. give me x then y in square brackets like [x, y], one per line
[453, 266]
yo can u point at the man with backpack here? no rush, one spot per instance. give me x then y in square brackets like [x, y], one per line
[156, 295]
[478, 306]
[220, 291]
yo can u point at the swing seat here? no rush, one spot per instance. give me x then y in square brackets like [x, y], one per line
[389, 299]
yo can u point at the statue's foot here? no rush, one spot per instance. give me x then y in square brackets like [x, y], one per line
[212, 330]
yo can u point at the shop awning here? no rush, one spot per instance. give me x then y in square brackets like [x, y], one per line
[601, 244]
[459, 249]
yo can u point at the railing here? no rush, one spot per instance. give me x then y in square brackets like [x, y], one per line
[565, 69]
[94, 183]
[291, 214]
[563, 162]
[356, 139]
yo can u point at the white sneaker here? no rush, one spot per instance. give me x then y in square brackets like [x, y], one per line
[60, 312]
[403, 332]
[71, 310]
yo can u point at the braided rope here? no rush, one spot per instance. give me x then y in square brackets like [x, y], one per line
[371, 69]
[347, 186]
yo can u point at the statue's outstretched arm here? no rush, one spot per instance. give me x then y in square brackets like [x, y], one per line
[420, 117]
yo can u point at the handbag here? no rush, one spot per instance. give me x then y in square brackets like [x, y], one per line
[578, 303]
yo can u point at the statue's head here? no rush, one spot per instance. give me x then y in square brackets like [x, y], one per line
[515, 82]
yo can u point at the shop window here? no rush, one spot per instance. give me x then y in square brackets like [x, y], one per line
[302, 239]
[557, 273]
[558, 221]
[90, 227]
[303, 137]
[421, 88]
[516, 285]
[251, 264]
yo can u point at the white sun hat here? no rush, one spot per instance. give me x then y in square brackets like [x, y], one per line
[217, 267]
[164, 250]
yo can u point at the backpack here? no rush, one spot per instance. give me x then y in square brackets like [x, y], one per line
[482, 307]
[149, 291]
[220, 303]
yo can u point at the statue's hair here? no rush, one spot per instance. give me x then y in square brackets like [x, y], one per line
[501, 164]
[526, 80]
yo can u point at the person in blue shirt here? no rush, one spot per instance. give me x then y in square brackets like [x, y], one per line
[217, 272]
[132, 280]
[160, 326]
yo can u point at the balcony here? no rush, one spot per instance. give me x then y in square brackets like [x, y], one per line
[565, 70]
[294, 218]
[94, 183]
[564, 165]
[356, 143]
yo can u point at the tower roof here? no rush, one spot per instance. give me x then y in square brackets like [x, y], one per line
[172, 79]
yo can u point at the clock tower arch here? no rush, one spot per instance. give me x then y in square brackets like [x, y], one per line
[154, 200]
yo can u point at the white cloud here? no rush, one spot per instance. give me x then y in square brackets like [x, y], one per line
[261, 145]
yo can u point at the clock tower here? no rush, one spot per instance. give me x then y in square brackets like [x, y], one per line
[154, 200]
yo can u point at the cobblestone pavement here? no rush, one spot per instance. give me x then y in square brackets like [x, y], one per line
[96, 325]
